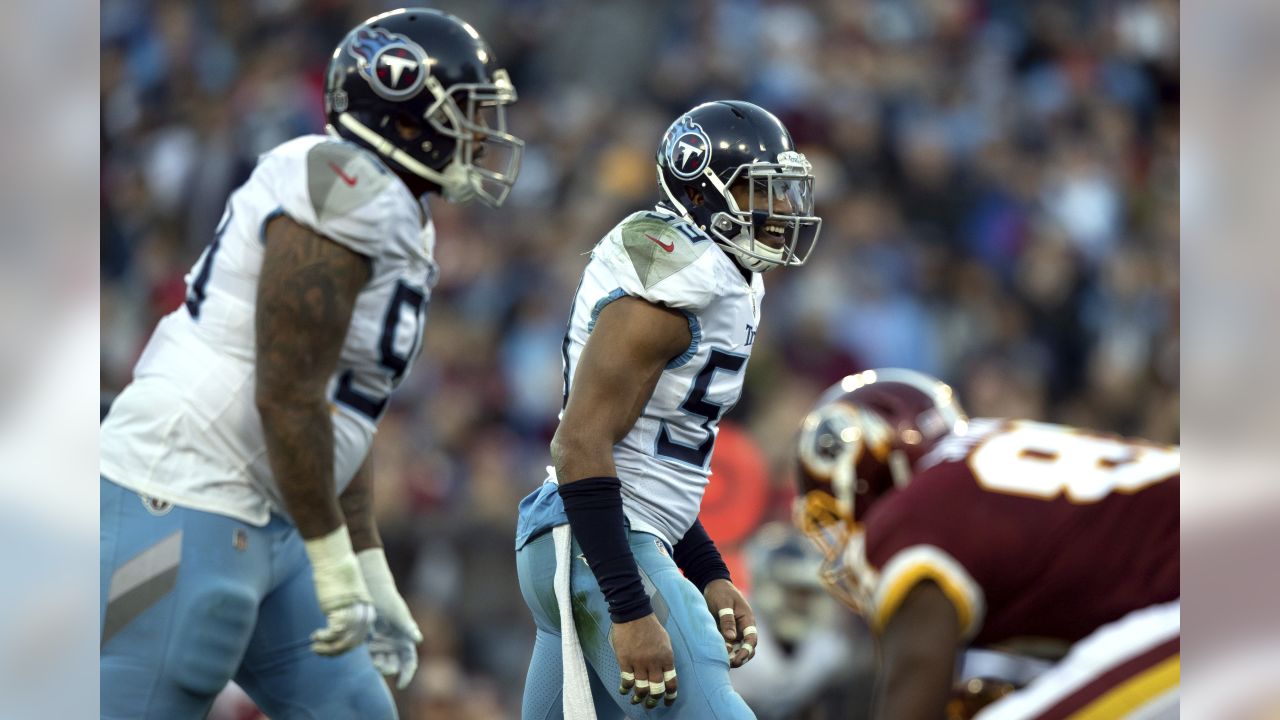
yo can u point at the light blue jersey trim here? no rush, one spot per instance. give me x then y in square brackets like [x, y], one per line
[695, 327]
[262, 229]
[601, 304]
[695, 335]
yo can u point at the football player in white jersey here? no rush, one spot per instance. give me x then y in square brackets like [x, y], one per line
[658, 338]
[237, 534]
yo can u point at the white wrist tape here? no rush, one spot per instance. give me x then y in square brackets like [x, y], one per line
[376, 572]
[387, 600]
[335, 570]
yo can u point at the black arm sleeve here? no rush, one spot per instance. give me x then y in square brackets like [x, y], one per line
[698, 557]
[594, 508]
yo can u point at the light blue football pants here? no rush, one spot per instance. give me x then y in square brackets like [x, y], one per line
[189, 600]
[702, 663]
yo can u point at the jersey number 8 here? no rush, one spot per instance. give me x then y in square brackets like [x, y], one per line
[1045, 461]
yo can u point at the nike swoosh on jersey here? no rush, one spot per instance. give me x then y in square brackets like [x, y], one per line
[665, 246]
[348, 179]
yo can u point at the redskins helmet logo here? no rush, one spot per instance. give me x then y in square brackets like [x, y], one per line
[686, 149]
[393, 65]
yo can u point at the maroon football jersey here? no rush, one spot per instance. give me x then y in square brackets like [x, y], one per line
[1033, 530]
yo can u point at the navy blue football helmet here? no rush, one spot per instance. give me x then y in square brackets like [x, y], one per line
[719, 145]
[423, 89]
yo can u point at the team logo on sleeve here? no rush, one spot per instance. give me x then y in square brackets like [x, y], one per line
[687, 149]
[393, 65]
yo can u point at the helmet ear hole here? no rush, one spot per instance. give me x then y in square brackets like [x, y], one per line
[407, 127]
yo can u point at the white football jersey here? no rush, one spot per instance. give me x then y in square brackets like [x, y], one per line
[664, 461]
[186, 429]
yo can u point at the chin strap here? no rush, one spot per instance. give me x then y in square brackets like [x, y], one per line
[455, 182]
[737, 243]
[748, 261]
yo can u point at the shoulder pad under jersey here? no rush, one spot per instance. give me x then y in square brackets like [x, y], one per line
[342, 192]
[661, 259]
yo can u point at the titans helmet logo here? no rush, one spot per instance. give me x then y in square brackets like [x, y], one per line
[687, 149]
[393, 65]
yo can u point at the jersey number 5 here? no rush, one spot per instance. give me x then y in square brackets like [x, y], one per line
[696, 404]
[1046, 461]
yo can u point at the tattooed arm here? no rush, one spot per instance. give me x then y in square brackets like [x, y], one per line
[306, 293]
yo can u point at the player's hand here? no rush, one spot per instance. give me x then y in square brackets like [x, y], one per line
[341, 591]
[394, 652]
[393, 646]
[347, 627]
[646, 660]
[736, 620]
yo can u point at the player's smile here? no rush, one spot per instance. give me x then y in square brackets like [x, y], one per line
[773, 235]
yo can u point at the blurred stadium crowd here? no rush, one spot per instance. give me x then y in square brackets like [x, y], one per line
[998, 181]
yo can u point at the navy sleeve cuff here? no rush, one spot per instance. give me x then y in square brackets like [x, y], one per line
[698, 557]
